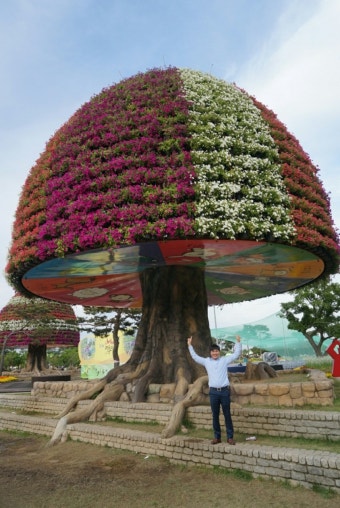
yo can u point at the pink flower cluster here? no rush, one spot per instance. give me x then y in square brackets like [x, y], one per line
[118, 171]
[309, 201]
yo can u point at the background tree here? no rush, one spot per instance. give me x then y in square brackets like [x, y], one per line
[37, 323]
[256, 352]
[64, 358]
[14, 360]
[101, 321]
[315, 312]
[226, 345]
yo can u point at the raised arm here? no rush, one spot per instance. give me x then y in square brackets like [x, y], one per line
[237, 351]
[193, 354]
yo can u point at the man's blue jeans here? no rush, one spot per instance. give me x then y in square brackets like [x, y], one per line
[218, 399]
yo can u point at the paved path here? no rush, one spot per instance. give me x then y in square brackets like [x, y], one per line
[16, 387]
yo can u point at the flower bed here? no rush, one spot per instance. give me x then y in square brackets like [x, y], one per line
[7, 379]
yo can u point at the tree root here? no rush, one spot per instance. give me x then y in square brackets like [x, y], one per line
[259, 371]
[110, 388]
[122, 375]
[113, 393]
[98, 387]
[194, 397]
[181, 385]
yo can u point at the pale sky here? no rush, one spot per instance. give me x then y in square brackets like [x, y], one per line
[56, 54]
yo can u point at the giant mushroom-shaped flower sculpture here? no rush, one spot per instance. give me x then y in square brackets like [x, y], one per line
[170, 190]
[37, 323]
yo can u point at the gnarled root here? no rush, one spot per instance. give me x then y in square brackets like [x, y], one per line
[98, 387]
[182, 384]
[121, 374]
[113, 393]
[194, 397]
[111, 389]
[259, 371]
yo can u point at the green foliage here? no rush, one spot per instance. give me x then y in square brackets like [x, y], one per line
[257, 352]
[314, 312]
[67, 357]
[14, 359]
[225, 345]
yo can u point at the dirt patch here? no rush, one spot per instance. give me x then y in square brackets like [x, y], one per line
[80, 475]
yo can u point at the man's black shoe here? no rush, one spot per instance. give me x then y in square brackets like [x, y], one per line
[215, 441]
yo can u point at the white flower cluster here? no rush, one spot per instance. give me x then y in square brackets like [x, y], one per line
[15, 325]
[240, 188]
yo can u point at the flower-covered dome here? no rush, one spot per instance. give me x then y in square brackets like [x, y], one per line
[26, 320]
[158, 160]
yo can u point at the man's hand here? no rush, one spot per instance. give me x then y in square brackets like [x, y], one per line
[189, 341]
[238, 338]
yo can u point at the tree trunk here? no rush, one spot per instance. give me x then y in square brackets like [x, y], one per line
[3, 349]
[174, 307]
[115, 336]
[316, 347]
[259, 371]
[36, 358]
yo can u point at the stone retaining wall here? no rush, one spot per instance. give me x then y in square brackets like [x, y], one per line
[318, 390]
[249, 421]
[297, 466]
[275, 422]
[60, 389]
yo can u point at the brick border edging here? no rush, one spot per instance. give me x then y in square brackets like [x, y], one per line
[297, 466]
